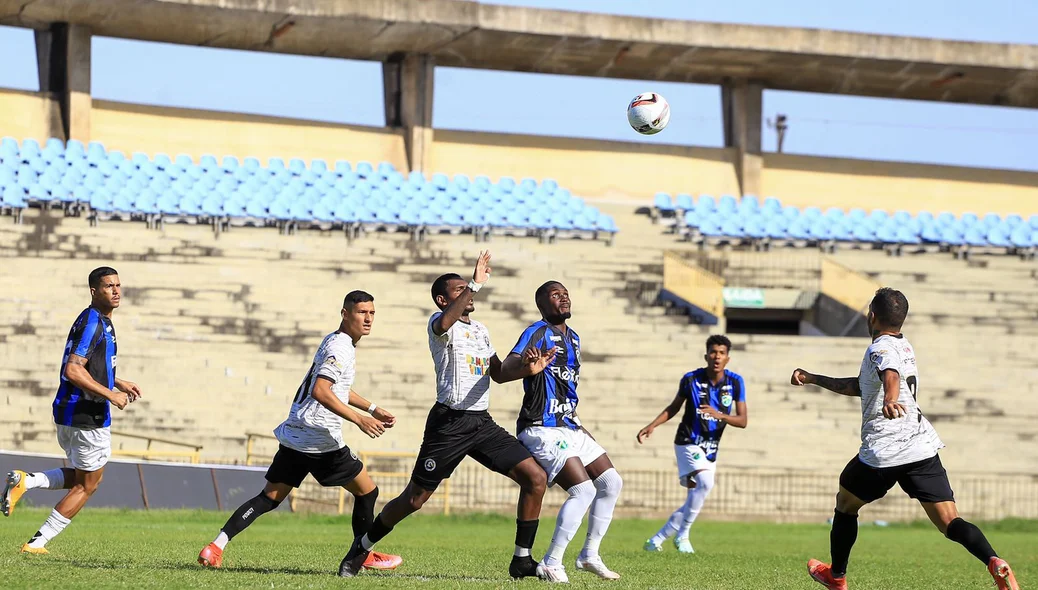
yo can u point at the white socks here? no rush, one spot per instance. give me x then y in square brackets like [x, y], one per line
[221, 540]
[608, 485]
[48, 480]
[681, 520]
[568, 521]
[53, 526]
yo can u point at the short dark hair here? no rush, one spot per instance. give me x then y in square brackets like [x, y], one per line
[543, 290]
[718, 340]
[439, 286]
[354, 297]
[94, 280]
[890, 307]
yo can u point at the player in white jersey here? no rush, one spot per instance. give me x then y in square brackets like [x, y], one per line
[311, 438]
[898, 445]
[459, 424]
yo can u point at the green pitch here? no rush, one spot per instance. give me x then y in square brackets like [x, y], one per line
[106, 548]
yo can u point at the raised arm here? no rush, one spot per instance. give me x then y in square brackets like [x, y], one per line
[323, 394]
[456, 309]
[516, 366]
[842, 385]
[668, 412]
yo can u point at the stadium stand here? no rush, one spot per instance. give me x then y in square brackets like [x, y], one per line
[109, 186]
[219, 329]
[763, 224]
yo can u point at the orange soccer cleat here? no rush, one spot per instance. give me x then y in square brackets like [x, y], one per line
[211, 556]
[1003, 574]
[14, 488]
[382, 561]
[823, 574]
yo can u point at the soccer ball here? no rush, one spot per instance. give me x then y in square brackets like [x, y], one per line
[648, 113]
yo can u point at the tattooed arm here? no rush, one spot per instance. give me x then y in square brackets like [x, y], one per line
[842, 385]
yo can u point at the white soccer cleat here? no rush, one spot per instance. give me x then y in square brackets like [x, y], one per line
[555, 574]
[683, 545]
[652, 546]
[596, 566]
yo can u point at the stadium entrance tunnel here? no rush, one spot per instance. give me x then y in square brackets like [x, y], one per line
[789, 312]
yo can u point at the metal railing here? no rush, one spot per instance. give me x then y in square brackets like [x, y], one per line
[150, 454]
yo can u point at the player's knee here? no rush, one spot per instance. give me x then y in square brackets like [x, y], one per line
[535, 482]
[415, 500]
[91, 484]
[847, 504]
[610, 482]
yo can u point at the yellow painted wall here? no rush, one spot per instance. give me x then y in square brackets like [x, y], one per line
[152, 130]
[26, 115]
[893, 186]
[589, 168]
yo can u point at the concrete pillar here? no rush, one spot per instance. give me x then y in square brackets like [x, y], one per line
[408, 84]
[742, 106]
[63, 62]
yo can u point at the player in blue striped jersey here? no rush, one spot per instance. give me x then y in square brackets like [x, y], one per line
[549, 427]
[81, 411]
[714, 398]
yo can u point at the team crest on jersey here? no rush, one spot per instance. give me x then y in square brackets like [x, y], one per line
[563, 445]
[430, 464]
[726, 400]
[697, 456]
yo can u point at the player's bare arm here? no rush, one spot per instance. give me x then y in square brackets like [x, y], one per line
[516, 366]
[891, 391]
[369, 425]
[668, 412]
[842, 385]
[379, 413]
[456, 310]
[739, 420]
[76, 372]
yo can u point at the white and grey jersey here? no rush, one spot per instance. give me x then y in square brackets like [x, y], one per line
[889, 443]
[462, 360]
[311, 427]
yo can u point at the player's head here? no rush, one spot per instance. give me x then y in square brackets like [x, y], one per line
[358, 314]
[717, 349]
[553, 302]
[105, 288]
[888, 311]
[446, 288]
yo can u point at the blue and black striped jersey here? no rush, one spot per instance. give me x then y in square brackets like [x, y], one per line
[696, 390]
[92, 337]
[550, 397]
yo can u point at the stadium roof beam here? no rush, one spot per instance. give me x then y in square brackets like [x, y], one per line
[63, 62]
[475, 35]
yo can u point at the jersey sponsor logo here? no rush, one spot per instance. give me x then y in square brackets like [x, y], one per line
[566, 374]
[555, 338]
[554, 407]
[430, 464]
[478, 366]
[726, 400]
[113, 361]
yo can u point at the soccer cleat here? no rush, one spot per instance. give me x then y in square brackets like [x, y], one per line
[522, 567]
[13, 490]
[382, 561]
[26, 548]
[1003, 574]
[823, 574]
[211, 556]
[555, 574]
[596, 566]
[683, 545]
[650, 545]
[353, 563]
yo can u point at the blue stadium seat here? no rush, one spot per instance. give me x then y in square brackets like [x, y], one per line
[662, 202]
[365, 170]
[1023, 237]
[754, 227]
[507, 184]
[527, 185]
[863, 232]
[705, 204]
[727, 204]
[975, 236]
[684, 202]
[998, 236]
[296, 166]
[969, 219]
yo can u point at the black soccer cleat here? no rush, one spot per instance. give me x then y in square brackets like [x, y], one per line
[522, 567]
[353, 563]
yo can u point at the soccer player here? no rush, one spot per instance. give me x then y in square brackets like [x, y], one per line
[81, 412]
[311, 437]
[459, 424]
[549, 427]
[898, 445]
[714, 397]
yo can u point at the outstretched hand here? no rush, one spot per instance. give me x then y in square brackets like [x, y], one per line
[481, 274]
[645, 433]
[800, 378]
[536, 360]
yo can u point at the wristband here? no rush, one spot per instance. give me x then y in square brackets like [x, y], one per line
[371, 408]
[474, 286]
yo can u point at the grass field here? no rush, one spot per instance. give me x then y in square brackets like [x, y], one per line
[109, 548]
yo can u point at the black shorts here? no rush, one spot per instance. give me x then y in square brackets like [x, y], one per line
[450, 435]
[331, 469]
[925, 480]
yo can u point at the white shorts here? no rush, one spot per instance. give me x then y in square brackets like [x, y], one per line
[87, 449]
[691, 458]
[553, 446]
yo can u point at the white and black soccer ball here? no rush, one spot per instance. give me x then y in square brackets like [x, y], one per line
[648, 113]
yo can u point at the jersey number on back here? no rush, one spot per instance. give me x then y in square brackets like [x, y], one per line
[913, 386]
[304, 389]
